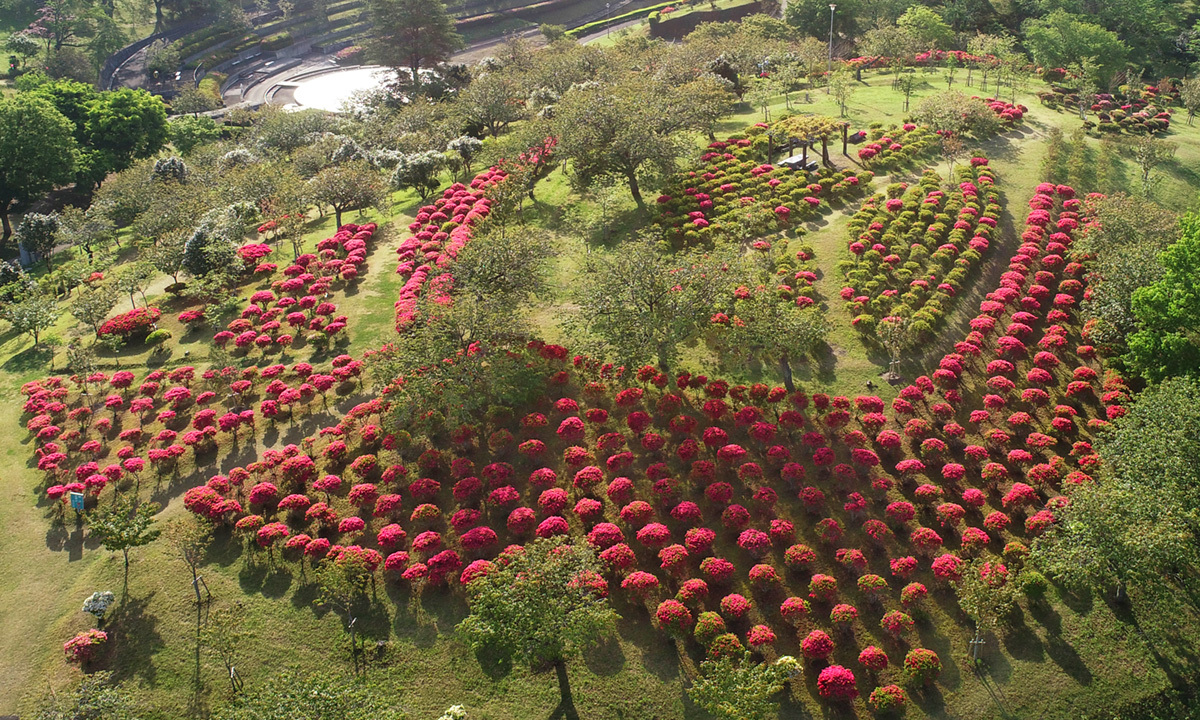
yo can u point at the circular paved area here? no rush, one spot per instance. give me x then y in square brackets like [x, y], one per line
[330, 90]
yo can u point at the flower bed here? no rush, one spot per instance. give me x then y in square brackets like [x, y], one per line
[750, 509]
[297, 304]
[915, 247]
[733, 193]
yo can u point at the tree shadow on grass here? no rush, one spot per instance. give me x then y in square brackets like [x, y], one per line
[660, 658]
[494, 662]
[605, 658]
[137, 639]
[28, 360]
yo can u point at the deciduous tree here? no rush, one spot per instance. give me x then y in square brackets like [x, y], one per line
[411, 34]
[539, 607]
[37, 152]
[640, 304]
[1166, 342]
[127, 525]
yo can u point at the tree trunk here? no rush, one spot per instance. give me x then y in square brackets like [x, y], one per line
[158, 15]
[337, 215]
[634, 190]
[7, 226]
[567, 703]
[785, 368]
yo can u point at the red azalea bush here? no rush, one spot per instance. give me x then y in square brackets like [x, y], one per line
[837, 683]
[138, 321]
[85, 646]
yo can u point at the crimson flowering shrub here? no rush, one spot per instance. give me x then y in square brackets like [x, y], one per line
[817, 645]
[135, 322]
[873, 658]
[85, 646]
[896, 623]
[887, 698]
[837, 683]
[922, 666]
[674, 617]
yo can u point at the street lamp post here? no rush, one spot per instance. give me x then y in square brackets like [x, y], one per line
[829, 70]
[607, 29]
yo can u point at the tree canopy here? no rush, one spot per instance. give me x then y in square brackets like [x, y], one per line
[37, 151]
[1167, 312]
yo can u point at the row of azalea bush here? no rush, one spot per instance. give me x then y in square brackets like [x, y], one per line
[1139, 113]
[442, 229]
[915, 247]
[887, 150]
[295, 307]
[166, 420]
[734, 194]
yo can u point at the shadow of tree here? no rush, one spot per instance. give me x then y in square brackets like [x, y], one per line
[137, 639]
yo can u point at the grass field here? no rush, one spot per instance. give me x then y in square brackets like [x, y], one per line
[1082, 651]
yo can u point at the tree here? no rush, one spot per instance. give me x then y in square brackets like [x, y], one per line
[504, 267]
[953, 111]
[125, 526]
[188, 133]
[465, 148]
[1135, 528]
[84, 229]
[194, 101]
[223, 635]
[765, 329]
[812, 55]
[32, 314]
[1061, 39]
[640, 304]
[411, 34]
[167, 255]
[38, 233]
[23, 45]
[419, 171]
[321, 695]
[811, 18]
[887, 40]
[132, 278]
[986, 598]
[56, 24]
[352, 186]
[92, 305]
[481, 345]
[906, 85]
[1148, 153]
[343, 586]
[1166, 343]
[633, 129]
[927, 28]
[1189, 96]
[189, 539]
[121, 126]
[989, 47]
[737, 688]
[841, 85]
[1124, 243]
[37, 152]
[492, 100]
[97, 697]
[540, 607]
